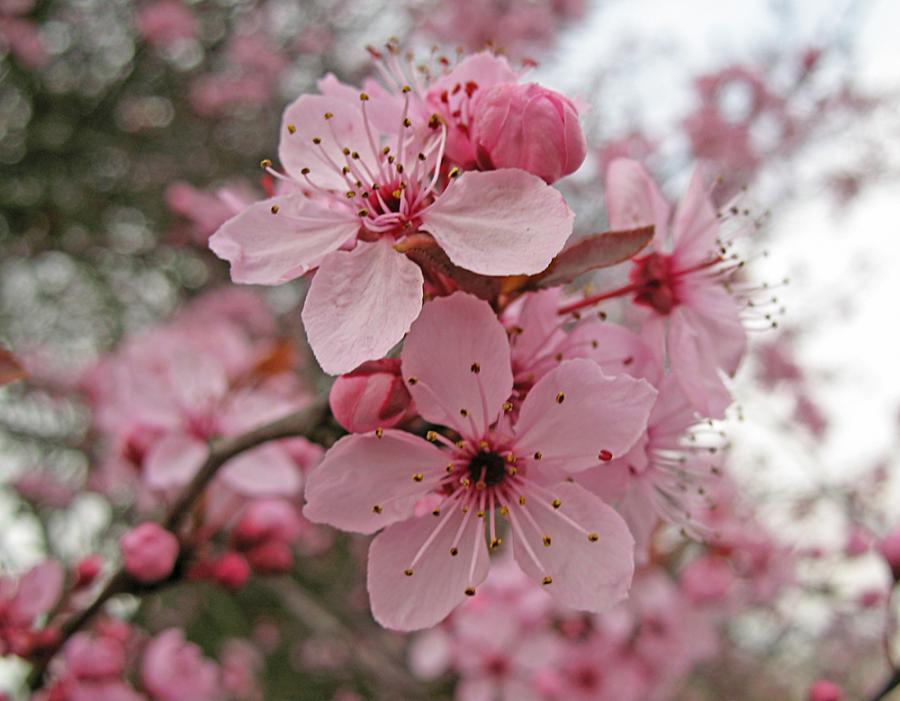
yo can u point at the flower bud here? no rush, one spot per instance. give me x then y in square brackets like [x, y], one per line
[86, 570]
[889, 547]
[824, 690]
[372, 396]
[150, 552]
[231, 570]
[528, 127]
[271, 557]
[265, 520]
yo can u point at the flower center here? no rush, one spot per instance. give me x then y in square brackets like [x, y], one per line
[656, 282]
[487, 467]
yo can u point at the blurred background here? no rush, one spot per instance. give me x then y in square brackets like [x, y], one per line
[129, 129]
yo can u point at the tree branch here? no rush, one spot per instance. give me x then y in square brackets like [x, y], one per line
[301, 423]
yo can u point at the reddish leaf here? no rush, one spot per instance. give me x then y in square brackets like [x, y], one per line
[432, 258]
[592, 253]
[10, 369]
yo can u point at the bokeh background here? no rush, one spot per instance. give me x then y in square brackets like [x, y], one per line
[122, 123]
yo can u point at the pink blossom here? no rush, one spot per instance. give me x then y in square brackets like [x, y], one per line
[529, 127]
[370, 397]
[241, 665]
[93, 657]
[889, 547]
[110, 690]
[689, 312]
[149, 552]
[165, 22]
[456, 365]
[824, 690]
[173, 669]
[23, 601]
[357, 202]
[664, 476]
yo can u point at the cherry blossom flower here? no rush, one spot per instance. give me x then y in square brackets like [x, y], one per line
[681, 284]
[173, 669]
[457, 367]
[23, 601]
[368, 172]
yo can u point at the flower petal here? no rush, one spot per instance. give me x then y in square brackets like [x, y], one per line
[633, 200]
[268, 249]
[173, 461]
[504, 222]
[696, 226]
[360, 304]
[575, 413]
[439, 581]
[456, 361]
[38, 591]
[614, 348]
[361, 472]
[694, 364]
[716, 312]
[586, 572]
[305, 120]
[264, 471]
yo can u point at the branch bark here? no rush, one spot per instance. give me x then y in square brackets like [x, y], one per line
[301, 423]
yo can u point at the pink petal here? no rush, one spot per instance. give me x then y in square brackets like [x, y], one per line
[264, 471]
[575, 412]
[694, 364]
[711, 308]
[456, 358]
[361, 472]
[535, 314]
[173, 461]
[614, 348]
[586, 575]
[344, 129]
[268, 249]
[505, 222]
[633, 200]
[439, 580]
[38, 591]
[696, 227]
[360, 304]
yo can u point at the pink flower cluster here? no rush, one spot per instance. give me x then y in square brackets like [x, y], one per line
[425, 206]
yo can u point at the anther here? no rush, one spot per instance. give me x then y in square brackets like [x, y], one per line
[379, 432]
[407, 122]
[265, 163]
[304, 171]
[291, 129]
[496, 543]
[475, 367]
[470, 591]
[316, 140]
[560, 397]
[377, 509]
[405, 89]
[274, 209]
[504, 510]
[431, 436]
[454, 552]
[512, 471]
[454, 171]
[363, 212]
[418, 477]
[593, 537]
[436, 512]
[556, 503]
[464, 412]
[363, 97]
[450, 467]
[328, 115]
[522, 500]
[412, 380]
[408, 573]
[538, 455]
[547, 541]
[507, 407]
[547, 580]
[605, 455]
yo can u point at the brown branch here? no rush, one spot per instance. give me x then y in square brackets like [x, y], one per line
[221, 450]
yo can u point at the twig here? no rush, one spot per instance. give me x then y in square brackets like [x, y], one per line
[221, 450]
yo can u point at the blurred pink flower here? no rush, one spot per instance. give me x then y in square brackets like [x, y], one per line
[164, 22]
[173, 669]
[149, 552]
[372, 396]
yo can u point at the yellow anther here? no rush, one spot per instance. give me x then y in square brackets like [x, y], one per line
[408, 573]
[454, 171]
[449, 467]
[418, 477]
[593, 537]
[412, 381]
[274, 209]
[479, 514]
[265, 163]
[538, 455]
[454, 551]
[328, 115]
[560, 397]
[379, 432]
[504, 510]
[475, 367]
[405, 89]
[436, 512]
[556, 503]
[464, 412]
[496, 543]
[547, 580]
[363, 97]
[512, 471]
[522, 500]
[547, 541]
[470, 591]
[363, 212]
[407, 122]
[304, 171]
[431, 436]
[377, 509]
[316, 140]
[291, 129]
[507, 407]
[349, 194]
[345, 151]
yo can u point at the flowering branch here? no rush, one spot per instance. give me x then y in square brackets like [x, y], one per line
[305, 422]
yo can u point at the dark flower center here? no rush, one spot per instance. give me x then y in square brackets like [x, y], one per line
[487, 467]
[657, 282]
